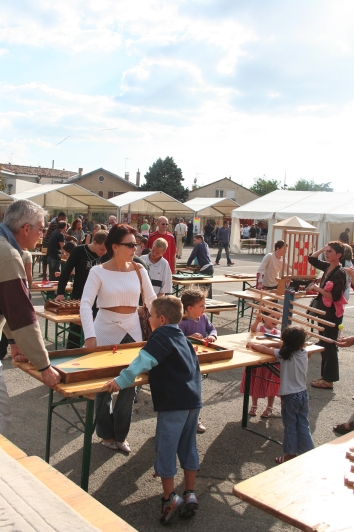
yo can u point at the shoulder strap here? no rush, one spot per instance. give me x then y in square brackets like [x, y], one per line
[137, 269]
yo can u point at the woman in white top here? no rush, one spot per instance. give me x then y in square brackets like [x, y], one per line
[117, 288]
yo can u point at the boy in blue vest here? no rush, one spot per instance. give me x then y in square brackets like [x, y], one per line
[175, 384]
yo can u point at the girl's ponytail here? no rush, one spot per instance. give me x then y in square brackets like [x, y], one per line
[294, 339]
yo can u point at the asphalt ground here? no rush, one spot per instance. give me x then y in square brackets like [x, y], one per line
[228, 454]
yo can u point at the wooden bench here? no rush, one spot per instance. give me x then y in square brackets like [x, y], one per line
[254, 245]
[93, 511]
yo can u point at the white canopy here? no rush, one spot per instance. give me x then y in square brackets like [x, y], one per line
[217, 207]
[321, 208]
[65, 197]
[293, 223]
[156, 203]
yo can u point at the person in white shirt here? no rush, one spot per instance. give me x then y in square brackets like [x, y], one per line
[270, 267]
[180, 232]
[117, 288]
[158, 268]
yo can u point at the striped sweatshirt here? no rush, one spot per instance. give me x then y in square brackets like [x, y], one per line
[16, 307]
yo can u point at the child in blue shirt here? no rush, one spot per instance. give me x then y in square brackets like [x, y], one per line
[175, 384]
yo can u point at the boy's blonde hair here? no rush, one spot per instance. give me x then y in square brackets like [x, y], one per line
[170, 307]
[160, 243]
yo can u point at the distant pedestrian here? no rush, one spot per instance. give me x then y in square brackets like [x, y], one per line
[224, 243]
[145, 228]
[344, 237]
[180, 233]
[208, 230]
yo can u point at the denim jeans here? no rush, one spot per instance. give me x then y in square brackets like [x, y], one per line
[295, 415]
[226, 247]
[54, 266]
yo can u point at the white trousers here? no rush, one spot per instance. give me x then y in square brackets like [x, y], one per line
[5, 408]
[111, 327]
[179, 244]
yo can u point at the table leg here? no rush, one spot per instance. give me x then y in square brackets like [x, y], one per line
[246, 396]
[49, 425]
[86, 455]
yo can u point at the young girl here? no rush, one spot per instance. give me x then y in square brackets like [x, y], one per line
[263, 382]
[195, 323]
[293, 360]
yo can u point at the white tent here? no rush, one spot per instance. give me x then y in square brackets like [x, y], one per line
[330, 212]
[144, 202]
[212, 207]
[65, 197]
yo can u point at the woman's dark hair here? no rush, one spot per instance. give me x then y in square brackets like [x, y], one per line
[116, 235]
[337, 246]
[75, 222]
[279, 244]
[293, 338]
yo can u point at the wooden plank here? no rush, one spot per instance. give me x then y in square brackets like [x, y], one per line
[80, 501]
[11, 449]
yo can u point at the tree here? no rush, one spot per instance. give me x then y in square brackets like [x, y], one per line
[2, 184]
[167, 177]
[263, 186]
[305, 184]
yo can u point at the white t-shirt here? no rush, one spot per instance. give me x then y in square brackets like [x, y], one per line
[269, 269]
[160, 275]
[181, 229]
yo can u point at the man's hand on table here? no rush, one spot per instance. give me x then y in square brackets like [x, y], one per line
[16, 354]
[50, 377]
[111, 386]
[60, 298]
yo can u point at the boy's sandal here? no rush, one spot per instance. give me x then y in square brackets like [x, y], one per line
[322, 384]
[253, 411]
[341, 428]
[268, 412]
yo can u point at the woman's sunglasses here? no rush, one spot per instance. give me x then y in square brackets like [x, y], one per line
[129, 244]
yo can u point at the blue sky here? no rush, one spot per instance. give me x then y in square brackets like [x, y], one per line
[226, 87]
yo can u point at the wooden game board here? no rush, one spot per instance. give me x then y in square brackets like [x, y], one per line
[71, 306]
[77, 365]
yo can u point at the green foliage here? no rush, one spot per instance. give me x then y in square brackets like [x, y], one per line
[2, 184]
[263, 186]
[305, 184]
[167, 177]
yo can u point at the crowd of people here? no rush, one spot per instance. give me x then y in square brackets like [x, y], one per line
[109, 278]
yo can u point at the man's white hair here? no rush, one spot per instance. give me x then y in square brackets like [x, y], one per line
[23, 212]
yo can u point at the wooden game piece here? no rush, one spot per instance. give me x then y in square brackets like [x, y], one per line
[350, 455]
[114, 350]
[196, 348]
[349, 479]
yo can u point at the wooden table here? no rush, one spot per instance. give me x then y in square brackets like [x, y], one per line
[307, 492]
[48, 293]
[36, 256]
[61, 322]
[71, 494]
[85, 391]
[179, 284]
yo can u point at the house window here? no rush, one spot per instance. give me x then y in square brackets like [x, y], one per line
[230, 194]
[110, 194]
[219, 193]
[100, 193]
[101, 178]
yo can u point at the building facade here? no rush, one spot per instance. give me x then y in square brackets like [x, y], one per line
[104, 183]
[224, 188]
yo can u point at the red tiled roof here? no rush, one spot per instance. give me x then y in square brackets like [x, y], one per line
[36, 170]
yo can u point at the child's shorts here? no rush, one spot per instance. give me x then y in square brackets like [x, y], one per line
[176, 433]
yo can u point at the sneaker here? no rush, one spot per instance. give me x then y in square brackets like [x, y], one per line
[231, 263]
[190, 504]
[170, 507]
[217, 263]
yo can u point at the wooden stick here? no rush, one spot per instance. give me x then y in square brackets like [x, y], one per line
[318, 320]
[306, 307]
[268, 293]
[261, 307]
[306, 324]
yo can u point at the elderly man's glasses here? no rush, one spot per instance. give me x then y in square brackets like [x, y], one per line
[40, 229]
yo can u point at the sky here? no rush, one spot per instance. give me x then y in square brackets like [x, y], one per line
[240, 88]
